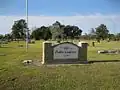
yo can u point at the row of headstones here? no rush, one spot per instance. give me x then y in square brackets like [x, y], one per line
[33, 42]
[3, 42]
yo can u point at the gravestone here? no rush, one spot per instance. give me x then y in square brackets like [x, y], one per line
[66, 52]
[93, 44]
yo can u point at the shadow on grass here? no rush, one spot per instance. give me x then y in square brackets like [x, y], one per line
[11, 47]
[85, 63]
[6, 47]
[101, 61]
[65, 63]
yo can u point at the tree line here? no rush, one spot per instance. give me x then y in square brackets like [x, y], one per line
[58, 31]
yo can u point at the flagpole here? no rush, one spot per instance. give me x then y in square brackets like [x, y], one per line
[27, 25]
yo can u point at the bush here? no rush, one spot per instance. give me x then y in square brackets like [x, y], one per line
[20, 45]
[32, 42]
[58, 41]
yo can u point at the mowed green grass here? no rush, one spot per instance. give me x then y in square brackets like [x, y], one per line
[97, 76]
[104, 45]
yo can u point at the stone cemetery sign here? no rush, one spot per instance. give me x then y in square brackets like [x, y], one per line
[66, 52]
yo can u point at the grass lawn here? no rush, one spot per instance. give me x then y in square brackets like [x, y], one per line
[97, 76]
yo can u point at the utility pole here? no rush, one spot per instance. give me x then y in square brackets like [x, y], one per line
[27, 26]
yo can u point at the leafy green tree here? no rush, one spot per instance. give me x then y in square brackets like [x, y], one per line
[111, 37]
[60, 31]
[118, 36]
[102, 32]
[19, 29]
[72, 31]
[1, 36]
[37, 34]
[46, 34]
[42, 33]
[56, 30]
[8, 37]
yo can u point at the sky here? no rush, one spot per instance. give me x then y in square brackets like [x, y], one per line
[86, 14]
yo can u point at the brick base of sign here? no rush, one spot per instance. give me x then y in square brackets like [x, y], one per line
[66, 62]
[64, 53]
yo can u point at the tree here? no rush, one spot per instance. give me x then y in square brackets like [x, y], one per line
[19, 29]
[8, 37]
[1, 36]
[92, 34]
[118, 36]
[56, 24]
[102, 32]
[56, 30]
[42, 33]
[37, 34]
[72, 31]
[46, 34]
[111, 37]
[85, 36]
